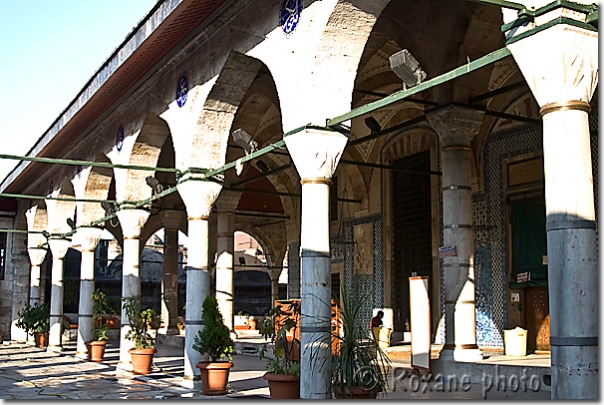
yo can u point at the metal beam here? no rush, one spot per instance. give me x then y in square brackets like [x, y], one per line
[382, 95]
[388, 167]
[496, 92]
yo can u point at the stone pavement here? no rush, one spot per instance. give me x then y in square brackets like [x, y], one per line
[27, 372]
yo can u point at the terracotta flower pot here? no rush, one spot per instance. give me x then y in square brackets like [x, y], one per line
[41, 339]
[283, 386]
[142, 360]
[214, 376]
[96, 350]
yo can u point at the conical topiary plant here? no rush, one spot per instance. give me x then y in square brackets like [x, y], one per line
[215, 338]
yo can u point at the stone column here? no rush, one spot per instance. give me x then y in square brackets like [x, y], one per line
[36, 258]
[198, 196]
[274, 286]
[58, 247]
[225, 253]
[132, 222]
[171, 219]
[89, 238]
[315, 154]
[456, 126]
[563, 79]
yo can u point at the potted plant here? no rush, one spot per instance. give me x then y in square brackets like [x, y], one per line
[359, 366]
[214, 340]
[35, 320]
[96, 346]
[139, 321]
[282, 371]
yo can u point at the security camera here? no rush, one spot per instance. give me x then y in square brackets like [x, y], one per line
[407, 68]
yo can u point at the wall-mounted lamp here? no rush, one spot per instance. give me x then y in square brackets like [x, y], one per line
[407, 68]
[245, 141]
[373, 124]
[262, 166]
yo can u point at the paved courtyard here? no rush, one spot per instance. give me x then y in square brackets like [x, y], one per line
[27, 373]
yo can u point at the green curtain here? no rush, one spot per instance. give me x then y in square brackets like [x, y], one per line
[529, 243]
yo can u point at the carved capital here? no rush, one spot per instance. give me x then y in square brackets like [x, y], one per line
[228, 200]
[316, 153]
[198, 196]
[89, 238]
[455, 125]
[562, 73]
[132, 222]
[59, 247]
[36, 255]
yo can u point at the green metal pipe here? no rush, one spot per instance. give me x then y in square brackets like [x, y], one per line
[401, 95]
[263, 175]
[39, 197]
[86, 163]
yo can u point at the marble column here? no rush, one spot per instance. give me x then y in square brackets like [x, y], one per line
[315, 154]
[225, 253]
[171, 220]
[456, 126]
[132, 222]
[36, 258]
[89, 238]
[198, 196]
[58, 247]
[563, 79]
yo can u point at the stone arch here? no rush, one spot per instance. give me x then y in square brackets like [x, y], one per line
[92, 182]
[59, 210]
[146, 149]
[335, 75]
[208, 148]
[37, 221]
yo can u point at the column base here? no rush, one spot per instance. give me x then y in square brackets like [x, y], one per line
[173, 330]
[470, 353]
[82, 355]
[192, 382]
[54, 348]
[121, 367]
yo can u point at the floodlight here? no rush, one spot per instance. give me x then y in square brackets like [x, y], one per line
[244, 140]
[407, 68]
[242, 260]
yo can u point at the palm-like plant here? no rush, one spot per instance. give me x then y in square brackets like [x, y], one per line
[358, 364]
[278, 323]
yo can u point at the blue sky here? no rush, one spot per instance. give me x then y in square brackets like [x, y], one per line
[49, 50]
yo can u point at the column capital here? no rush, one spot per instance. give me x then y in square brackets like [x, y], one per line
[58, 247]
[171, 219]
[228, 200]
[316, 152]
[89, 237]
[455, 125]
[557, 75]
[132, 222]
[36, 255]
[198, 195]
